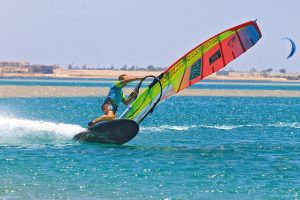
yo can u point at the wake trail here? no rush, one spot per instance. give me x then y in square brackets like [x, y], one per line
[227, 127]
[16, 129]
[163, 128]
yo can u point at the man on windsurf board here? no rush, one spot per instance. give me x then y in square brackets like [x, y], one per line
[114, 98]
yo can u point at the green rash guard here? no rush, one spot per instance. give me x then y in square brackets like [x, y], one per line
[116, 93]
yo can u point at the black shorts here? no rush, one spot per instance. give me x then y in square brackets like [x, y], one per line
[111, 104]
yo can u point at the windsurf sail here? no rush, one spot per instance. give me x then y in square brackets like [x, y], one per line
[202, 61]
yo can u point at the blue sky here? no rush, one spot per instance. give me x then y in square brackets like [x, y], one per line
[99, 33]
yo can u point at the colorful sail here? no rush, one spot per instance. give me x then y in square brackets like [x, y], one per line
[202, 61]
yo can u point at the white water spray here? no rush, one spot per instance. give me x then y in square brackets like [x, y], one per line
[15, 130]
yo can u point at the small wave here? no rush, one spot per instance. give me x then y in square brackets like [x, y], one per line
[226, 127]
[185, 128]
[285, 125]
[165, 127]
[222, 127]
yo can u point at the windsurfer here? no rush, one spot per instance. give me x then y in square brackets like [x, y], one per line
[114, 98]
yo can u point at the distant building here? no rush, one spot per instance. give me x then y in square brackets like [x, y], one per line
[25, 67]
[13, 64]
[222, 73]
[41, 69]
[14, 67]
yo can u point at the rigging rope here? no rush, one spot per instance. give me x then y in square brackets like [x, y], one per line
[137, 88]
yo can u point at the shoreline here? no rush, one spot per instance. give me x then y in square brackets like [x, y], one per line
[113, 74]
[7, 91]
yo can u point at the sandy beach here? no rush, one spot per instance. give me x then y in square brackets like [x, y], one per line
[10, 91]
[62, 91]
[113, 74]
[63, 73]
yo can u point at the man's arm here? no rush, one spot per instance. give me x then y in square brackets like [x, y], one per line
[124, 82]
[130, 98]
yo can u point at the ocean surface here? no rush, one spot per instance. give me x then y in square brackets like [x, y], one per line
[189, 148]
[99, 82]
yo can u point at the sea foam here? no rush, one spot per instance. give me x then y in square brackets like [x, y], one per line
[14, 130]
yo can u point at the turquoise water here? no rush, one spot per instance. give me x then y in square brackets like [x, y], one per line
[189, 148]
[206, 84]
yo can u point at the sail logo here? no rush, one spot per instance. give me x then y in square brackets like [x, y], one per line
[231, 42]
[215, 57]
[209, 44]
[195, 70]
[185, 61]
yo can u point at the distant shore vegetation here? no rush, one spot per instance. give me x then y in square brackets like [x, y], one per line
[123, 68]
[265, 73]
[24, 68]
